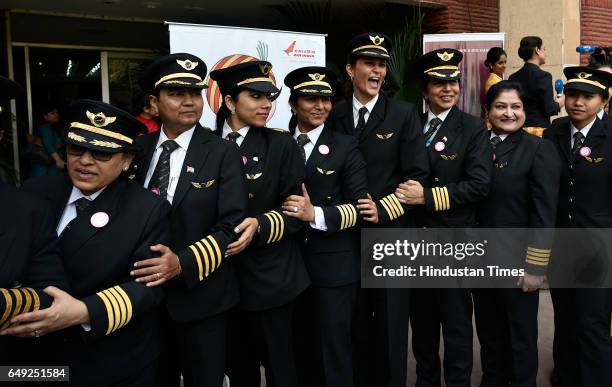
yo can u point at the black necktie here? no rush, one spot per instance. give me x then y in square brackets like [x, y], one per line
[434, 124]
[161, 174]
[578, 140]
[302, 140]
[233, 137]
[361, 122]
[495, 141]
[81, 204]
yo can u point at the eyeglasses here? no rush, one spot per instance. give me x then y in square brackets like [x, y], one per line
[78, 151]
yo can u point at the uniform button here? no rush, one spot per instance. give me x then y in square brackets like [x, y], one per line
[16, 284]
[571, 166]
[306, 240]
[436, 179]
[571, 183]
[570, 217]
[571, 200]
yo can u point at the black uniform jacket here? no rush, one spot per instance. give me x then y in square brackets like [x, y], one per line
[392, 145]
[29, 257]
[271, 270]
[124, 315]
[460, 158]
[586, 183]
[209, 202]
[524, 194]
[537, 88]
[335, 181]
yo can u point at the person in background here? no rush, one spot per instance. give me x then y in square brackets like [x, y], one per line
[147, 114]
[496, 63]
[524, 193]
[460, 156]
[582, 348]
[48, 136]
[540, 102]
[601, 59]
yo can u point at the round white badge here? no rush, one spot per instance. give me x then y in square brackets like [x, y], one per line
[99, 219]
[323, 149]
[585, 151]
[439, 146]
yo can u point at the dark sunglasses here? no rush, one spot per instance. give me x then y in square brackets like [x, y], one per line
[78, 151]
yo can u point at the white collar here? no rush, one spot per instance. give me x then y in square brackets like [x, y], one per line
[226, 130]
[442, 116]
[369, 105]
[76, 194]
[600, 114]
[182, 140]
[585, 130]
[502, 136]
[313, 135]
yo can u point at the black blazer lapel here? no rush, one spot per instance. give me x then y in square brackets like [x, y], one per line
[376, 117]
[448, 133]
[197, 152]
[252, 148]
[596, 135]
[563, 138]
[317, 158]
[81, 230]
[509, 143]
[148, 143]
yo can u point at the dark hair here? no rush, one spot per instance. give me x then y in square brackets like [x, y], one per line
[224, 112]
[293, 121]
[501, 87]
[528, 46]
[493, 55]
[47, 108]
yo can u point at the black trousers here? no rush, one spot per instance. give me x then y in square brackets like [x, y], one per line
[380, 337]
[262, 337]
[582, 348]
[324, 355]
[451, 308]
[169, 370]
[507, 326]
[202, 353]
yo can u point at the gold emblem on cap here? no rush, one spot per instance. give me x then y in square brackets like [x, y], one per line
[265, 68]
[99, 120]
[584, 75]
[445, 56]
[316, 76]
[377, 40]
[187, 64]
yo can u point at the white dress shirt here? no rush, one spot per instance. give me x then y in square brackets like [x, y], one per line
[242, 131]
[313, 136]
[176, 159]
[358, 105]
[70, 211]
[584, 131]
[502, 136]
[601, 113]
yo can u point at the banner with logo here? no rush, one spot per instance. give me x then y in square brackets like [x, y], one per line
[474, 47]
[222, 46]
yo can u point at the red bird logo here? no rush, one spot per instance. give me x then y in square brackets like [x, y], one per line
[290, 49]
